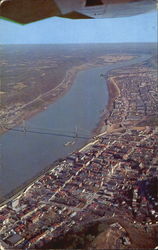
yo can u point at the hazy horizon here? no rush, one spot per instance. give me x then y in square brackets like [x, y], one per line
[77, 43]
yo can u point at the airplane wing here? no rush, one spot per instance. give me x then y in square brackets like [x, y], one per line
[26, 11]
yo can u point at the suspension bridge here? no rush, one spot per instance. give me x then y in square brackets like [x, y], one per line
[27, 129]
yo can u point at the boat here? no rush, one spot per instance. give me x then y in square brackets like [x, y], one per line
[69, 143]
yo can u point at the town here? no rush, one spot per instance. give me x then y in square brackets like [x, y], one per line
[115, 173]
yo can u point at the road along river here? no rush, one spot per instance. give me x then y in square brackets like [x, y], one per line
[25, 154]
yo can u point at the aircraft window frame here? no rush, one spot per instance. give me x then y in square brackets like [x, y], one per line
[90, 3]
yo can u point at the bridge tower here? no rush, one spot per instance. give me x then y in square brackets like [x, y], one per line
[24, 126]
[1, 157]
[76, 132]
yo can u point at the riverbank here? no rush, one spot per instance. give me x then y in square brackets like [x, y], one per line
[103, 125]
[27, 185]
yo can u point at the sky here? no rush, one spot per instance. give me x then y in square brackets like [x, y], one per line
[140, 28]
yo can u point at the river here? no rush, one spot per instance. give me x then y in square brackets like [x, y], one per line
[25, 154]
